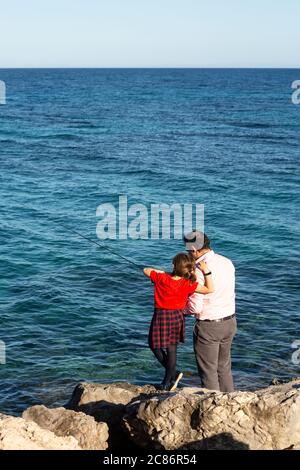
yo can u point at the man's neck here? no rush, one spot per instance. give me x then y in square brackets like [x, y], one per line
[203, 253]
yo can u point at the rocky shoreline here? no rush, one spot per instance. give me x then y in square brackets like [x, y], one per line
[123, 416]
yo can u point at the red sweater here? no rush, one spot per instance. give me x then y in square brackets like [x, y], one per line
[170, 293]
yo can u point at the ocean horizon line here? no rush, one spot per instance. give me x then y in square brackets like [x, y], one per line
[152, 68]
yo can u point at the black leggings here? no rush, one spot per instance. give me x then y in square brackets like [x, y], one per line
[168, 361]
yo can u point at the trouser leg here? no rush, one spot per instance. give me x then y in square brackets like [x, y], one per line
[206, 350]
[224, 362]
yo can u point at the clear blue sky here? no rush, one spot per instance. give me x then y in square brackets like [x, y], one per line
[149, 33]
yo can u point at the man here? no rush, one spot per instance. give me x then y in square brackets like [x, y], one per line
[215, 324]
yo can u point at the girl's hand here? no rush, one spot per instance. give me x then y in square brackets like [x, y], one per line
[208, 288]
[204, 267]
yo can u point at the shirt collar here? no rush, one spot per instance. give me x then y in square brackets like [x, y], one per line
[206, 257]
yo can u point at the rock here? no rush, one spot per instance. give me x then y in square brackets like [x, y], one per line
[189, 418]
[19, 434]
[194, 418]
[107, 403]
[89, 434]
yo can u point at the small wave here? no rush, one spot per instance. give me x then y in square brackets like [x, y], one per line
[219, 134]
[9, 141]
[142, 172]
[61, 136]
[85, 125]
[250, 125]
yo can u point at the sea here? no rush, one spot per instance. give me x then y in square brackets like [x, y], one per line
[74, 139]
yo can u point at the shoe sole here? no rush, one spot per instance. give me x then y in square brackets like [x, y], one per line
[174, 386]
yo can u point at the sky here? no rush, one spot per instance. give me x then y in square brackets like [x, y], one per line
[149, 33]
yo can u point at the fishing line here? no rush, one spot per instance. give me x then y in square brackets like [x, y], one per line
[101, 245]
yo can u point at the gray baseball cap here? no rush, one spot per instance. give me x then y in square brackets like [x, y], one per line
[196, 240]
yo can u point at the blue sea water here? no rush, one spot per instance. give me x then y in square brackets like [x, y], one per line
[71, 139]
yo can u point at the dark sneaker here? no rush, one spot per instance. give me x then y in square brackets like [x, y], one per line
[165, 387]
[174, 384]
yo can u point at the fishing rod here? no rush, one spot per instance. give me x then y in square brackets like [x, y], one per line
[101, 245]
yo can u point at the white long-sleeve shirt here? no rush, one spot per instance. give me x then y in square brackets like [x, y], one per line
[221, 303]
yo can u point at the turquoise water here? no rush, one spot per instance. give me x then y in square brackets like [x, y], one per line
[73, 139]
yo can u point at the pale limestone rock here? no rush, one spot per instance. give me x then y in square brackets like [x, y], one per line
[19, 434]
[201, 419]
[120, 393]
[107, 403]
[189, 418]
[89, 434]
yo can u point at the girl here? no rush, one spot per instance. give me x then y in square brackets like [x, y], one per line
[167, 328]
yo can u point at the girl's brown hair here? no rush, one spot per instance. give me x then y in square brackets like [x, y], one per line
[184, 266]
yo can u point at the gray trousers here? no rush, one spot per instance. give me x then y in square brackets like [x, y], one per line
[212, 345]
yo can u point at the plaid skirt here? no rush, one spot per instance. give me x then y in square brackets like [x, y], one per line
[167, 327]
